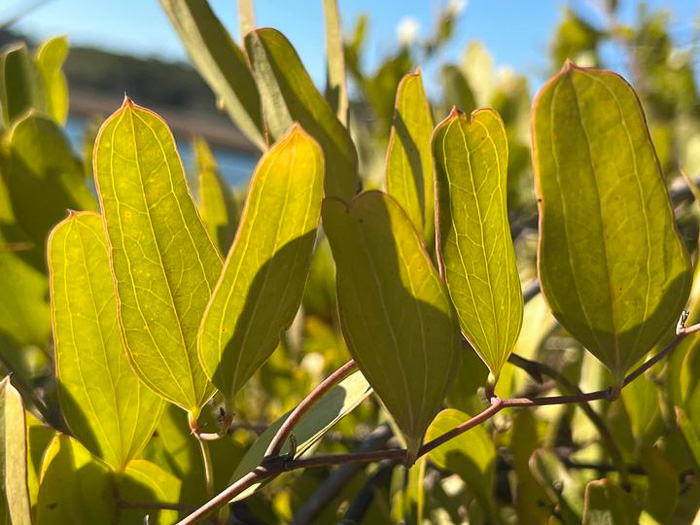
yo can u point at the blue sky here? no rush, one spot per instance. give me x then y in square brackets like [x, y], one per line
[516, 32]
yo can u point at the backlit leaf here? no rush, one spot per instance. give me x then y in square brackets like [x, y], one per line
[394, 311]
[336, 87]
[263, 278]
[664, 487]
[75, 489]
[220, 61]
[326, 412]
[104, 403]
[409, 161]
[164, 263]
[44, 178]
[13, 454]
[606, 503]
[472, 455]
[611, 263]
[289, 95]
[145, 482]
[217, 204]
[475, 249]
[49, 63]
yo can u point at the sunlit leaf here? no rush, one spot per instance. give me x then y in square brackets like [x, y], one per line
[44, 178]
[39, 436]
[217, 204]
[606, 503]
[49, 63]
[409, 160]
[472, 455]
[145, 482]
[75, 488]
[611, 263]
[19, 84]
[289, 95]
[104, 403]
[164, 263]
[13, 454]
[336, 87]
[220, 61]
[474, 244]
[263, 278]
[641, 400]
[326, 412]
[394, 311]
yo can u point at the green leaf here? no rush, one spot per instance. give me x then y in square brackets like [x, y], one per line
[49, 62]
[642, 403]
[664, 487]
[456, 89]
[611, 263]
[606, 503]
[394, 311]
[217, 204]
[13, 454]
[146, 482]
[336, 85]
[472, 455]
[104, 403]
[19, 87]
[289, 95]
[75, 488]
[475, 249]
[409, 160]
[326, 412]
[164, 263]
[39, 436]
[220, 61]
[263, 279]
[44, 178]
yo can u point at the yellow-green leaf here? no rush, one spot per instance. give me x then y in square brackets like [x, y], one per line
[75, 489]
[289, 95]
[263, 278]
[164, 263]
[13, 454]
[104, 403]
[19, 84]
[409, 159]
[611, 263]
[44, 178]
[326, 412]
[145, 482]
[49, 62]
[475, 249]
[336, 86]
[606, 503]
[471, 455]
[220, 61]
[394, 311]
[217, 204]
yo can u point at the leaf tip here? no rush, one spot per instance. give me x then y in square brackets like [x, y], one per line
[568, 66]
[127, 102]
[455, 113]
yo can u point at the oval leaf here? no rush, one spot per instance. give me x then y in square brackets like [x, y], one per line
[164, 263]
[263, 279]
[104, 403]
[409, 160]
[220, 61]
[44, 178]
[289, 95]
[19, 84]
[475, 249]
[605, 502]
[13, 454]
[49, 62]
[394, 311]
[146, 482]
[611, 263]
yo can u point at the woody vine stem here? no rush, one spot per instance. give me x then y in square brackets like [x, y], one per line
[274, 464]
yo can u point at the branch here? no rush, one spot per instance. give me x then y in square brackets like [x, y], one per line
[280, 437]
[279, 464]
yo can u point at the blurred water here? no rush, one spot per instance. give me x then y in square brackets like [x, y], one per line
[236, 167]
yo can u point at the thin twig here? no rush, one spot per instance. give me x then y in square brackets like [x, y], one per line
[148, 505]
[280, 437]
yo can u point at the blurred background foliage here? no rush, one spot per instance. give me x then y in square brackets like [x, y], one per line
[532, 466]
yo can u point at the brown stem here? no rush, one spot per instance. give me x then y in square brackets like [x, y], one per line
[280, 437]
